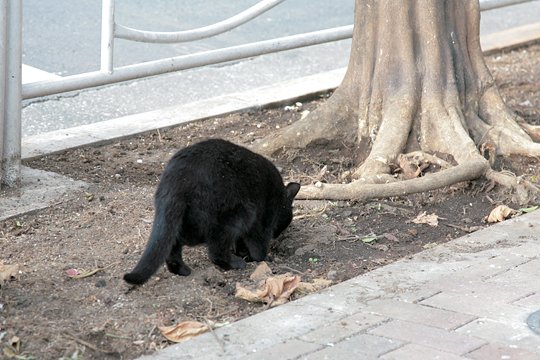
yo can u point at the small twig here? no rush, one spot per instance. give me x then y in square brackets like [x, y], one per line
[285, 267]
[140, 234]
[89, 345]
[117, 336]
[347, 238]
[211, 328]
[151, 331]
[159, 136]
[211, 307]
[318, 213]
[465, 228]
[92, 272]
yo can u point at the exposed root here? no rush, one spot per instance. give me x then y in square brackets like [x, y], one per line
[314, 127]
[523, 190]
[531, 130]
[497, 124]
[359, 190]
[508, 142]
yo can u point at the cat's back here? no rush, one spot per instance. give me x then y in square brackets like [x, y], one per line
[219, 166]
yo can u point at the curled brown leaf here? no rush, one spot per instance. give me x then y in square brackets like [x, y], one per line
[500, 213]
[183, 331]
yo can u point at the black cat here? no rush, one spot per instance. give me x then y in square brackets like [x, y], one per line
[221, 194]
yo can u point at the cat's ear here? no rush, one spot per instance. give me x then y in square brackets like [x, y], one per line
[292, 190]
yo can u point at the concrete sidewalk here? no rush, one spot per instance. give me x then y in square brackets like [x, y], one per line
[470, 298]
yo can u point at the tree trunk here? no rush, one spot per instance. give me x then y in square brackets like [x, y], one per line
[416, 81]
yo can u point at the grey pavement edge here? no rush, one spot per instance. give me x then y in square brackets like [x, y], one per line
[465, 299]
[39, 189]
[109, 130]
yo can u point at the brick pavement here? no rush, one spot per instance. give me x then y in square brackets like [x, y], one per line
[466, 299]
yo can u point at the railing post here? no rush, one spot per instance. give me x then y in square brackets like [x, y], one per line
[10, 82]
[107, 36]
[3, 71]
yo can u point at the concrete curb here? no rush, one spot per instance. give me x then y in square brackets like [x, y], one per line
[510, 39]
[39, 189]
[107, 131]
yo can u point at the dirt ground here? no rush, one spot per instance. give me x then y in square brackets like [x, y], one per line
[54, 316]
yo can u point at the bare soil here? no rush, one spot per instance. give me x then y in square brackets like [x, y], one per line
[107, 226]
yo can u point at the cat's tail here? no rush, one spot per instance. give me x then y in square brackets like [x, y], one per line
[161, 241]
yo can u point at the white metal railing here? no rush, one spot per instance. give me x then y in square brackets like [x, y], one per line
[12, 93]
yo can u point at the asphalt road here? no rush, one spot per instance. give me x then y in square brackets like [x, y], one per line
[62, 37]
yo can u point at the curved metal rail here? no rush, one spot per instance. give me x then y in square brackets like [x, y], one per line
[124, 32]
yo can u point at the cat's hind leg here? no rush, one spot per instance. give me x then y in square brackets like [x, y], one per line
[220, 243]
[174, 261]
[223, 257]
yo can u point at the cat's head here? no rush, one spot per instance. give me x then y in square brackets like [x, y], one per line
[285, 215]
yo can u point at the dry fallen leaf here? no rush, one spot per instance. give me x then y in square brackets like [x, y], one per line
[314, 286]
[183, 331]
[262, 272]
[423, 218]
[8, 272]
[13, 348]
[409, 170]
[500, 213]
[274, 290]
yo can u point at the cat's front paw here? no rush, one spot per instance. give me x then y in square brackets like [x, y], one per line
[237, 263]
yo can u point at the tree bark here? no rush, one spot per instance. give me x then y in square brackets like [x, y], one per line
[416, 81]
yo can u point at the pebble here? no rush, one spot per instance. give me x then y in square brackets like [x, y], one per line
[331, 275]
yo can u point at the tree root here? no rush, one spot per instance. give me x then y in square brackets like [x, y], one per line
[361, 191]
[523, 190]
[314, 127]
[531, 130]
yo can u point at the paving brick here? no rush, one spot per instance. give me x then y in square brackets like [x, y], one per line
[345, 328]
[418, 313]
[361, 346]
[446, 341]
[518, 279]
[498, 351]
[531, 302]
[284, 351]
[531, 267]
[515, 335]
[530, 248]
[416, 352]
[414, 296]
[344, 298]
[484, 305]
[495, 265]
